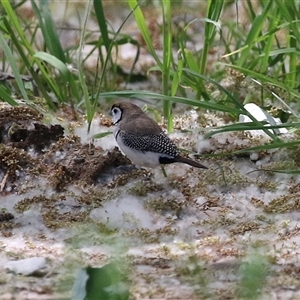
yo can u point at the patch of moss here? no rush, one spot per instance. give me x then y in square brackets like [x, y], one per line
[263, 218]
[267, 185]
[14, 159]
[18, 113]
[241, 228]
[96, 197]
[257, 202]
[59, 177]
[143, 187]
[238, 179]
[103, 229]
[151, 236]
[6, 225]
[294, 153]
[4, 277]
[181, 184]
[292, 270]
[199, 276]
[53, 219]
[211, 241]
[123, 179]
[223, 220]
[228, 175]
[162, 204]
[284, 164]
[284, 204]
[63, 144]
[295, 188]
[289, 233]
[259, 243]
[26, 203]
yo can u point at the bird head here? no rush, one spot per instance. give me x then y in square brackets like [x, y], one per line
[123, 111]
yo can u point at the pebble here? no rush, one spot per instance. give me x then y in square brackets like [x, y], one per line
[26, 266]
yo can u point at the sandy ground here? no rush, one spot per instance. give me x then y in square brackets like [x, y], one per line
[193, 235]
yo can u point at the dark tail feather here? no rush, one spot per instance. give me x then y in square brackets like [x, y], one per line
[189, 162]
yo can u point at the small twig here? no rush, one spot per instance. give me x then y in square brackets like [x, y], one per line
[3, 183]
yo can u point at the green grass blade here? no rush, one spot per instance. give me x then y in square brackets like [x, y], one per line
[183, 100]
[114, 43]
[254, 33]
[167, 57]
[264, 79]
[55, 48]
[12, 24]
[269, 45]
[235, 101]
[47, 26]
[4, 96]
[177, 75]
[291, 172]
[16, 24]
[66, 74]
[99, 11]
[90, 110]
[290, 12]
[214, 9]
[273, 145]
[54, 61]
[141, 22]
[248, 126]
[101, 135]
[12, 62]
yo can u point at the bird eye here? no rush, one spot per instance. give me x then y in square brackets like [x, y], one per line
[115, 110]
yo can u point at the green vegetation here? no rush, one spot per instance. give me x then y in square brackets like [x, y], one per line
[107, 282]
[263, 48]
[252, 278]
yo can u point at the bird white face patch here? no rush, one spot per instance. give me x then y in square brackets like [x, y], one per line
[116, 113]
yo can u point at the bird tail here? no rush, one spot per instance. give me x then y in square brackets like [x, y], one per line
[189, 162]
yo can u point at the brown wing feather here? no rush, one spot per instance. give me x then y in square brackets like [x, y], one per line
[141, 125]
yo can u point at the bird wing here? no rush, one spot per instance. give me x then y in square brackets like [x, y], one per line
[138, 124]
[159, 143]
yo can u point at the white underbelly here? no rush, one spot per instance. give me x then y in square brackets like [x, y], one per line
[140, 158]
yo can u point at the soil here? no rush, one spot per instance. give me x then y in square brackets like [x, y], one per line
[31, 151]
[22, 131]
[79, 206]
